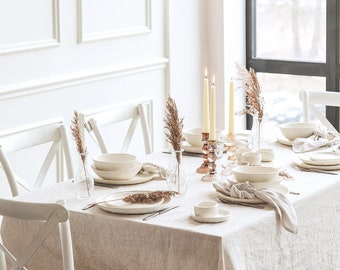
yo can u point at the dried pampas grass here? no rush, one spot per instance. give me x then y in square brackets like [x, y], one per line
[250, 83]
[173, 125]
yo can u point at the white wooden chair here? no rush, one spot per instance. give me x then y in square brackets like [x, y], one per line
[135, 111]
[53, 215]
[311, 99]
[52, 135]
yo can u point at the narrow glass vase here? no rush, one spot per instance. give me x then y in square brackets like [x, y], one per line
[175, 176]
[83, 183]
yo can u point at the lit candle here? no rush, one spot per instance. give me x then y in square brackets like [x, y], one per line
[206, 102]
[212, 135]
[231, 108]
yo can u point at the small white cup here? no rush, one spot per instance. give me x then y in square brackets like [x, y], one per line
[252, 158]
[206, 209]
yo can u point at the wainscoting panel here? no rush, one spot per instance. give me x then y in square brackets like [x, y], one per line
[107, 19]
[25, 28]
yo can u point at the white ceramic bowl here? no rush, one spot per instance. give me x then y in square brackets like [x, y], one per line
[253, 158]
[114, 161]
[266, 154]
[255, 174]
[122, 174]
[295, 130]
[194, 136]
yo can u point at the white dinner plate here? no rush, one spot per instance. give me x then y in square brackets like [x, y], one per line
[279, 187]
[191, 149]
[320, 158]
[223, 215]
[284, 141]
[139, 178]
[121, 207]
[299, 163]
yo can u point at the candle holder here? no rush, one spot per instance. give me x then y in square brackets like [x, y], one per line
[211, 175]
[231, 155]
[204, 166]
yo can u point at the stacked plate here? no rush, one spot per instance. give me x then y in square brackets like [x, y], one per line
[323, 160]
[260, 177]
[119, 169]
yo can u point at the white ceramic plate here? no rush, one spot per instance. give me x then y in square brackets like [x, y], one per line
[139, 178]
[121, 207]
[223, 215]
[284, 141]
[279, 187]
[320, 159]
[192, 149]
[298, 162]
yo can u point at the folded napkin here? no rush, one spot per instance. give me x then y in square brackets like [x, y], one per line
[279, 201]
[158, 171]
[319, 139]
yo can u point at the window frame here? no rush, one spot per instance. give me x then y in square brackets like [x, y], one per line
[330, 70]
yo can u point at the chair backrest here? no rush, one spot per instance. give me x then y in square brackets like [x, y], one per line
[311, 100]
[53, 215]
[134, 111]
[51, 133]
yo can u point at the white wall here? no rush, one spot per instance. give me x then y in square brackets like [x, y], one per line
[57, 56]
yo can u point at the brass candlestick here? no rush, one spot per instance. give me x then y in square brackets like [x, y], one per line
[204, 166]
[211, 175]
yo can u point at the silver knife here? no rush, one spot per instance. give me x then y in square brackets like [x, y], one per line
[159, 212]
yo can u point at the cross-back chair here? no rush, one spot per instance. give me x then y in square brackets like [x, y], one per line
[51, 133]
[137, 111]
[53, 215]
[312, 100]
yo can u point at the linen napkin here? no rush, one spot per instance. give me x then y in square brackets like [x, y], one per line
[158, 171]
[279, 201]
[319, 139]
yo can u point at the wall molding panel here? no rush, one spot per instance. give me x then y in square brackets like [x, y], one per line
[136, 22]
[87, 76]
[38, 43]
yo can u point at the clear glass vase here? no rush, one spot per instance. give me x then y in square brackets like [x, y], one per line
[83, 183]
[176, 178]
[257, 136]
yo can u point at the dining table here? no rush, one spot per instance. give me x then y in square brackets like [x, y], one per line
[250, 238]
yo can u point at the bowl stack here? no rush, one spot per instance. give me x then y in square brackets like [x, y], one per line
[116, 166]
[258, 176]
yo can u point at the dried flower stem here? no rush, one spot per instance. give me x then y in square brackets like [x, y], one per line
[76, 133]
[254, 100]
[173, 131]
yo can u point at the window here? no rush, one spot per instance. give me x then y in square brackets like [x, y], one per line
[293, 46]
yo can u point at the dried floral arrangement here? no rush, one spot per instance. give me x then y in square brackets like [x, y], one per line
[76, 133]
[173, 125]
[149, 197]
[254, 99]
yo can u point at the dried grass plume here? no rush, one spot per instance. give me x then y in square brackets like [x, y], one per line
[250, 83]
[173, 124]
[76, 133]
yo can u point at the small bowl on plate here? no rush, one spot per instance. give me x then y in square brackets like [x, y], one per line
[255, 174]
[121, 174]
[267, 154]
[194, 136]
[115, 161]
[295, 130]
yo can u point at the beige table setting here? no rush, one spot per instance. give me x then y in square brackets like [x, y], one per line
[250, 238]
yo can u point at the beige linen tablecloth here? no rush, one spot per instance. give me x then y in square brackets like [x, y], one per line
[251, 239]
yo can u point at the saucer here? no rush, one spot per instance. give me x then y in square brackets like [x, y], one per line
[223, 215]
